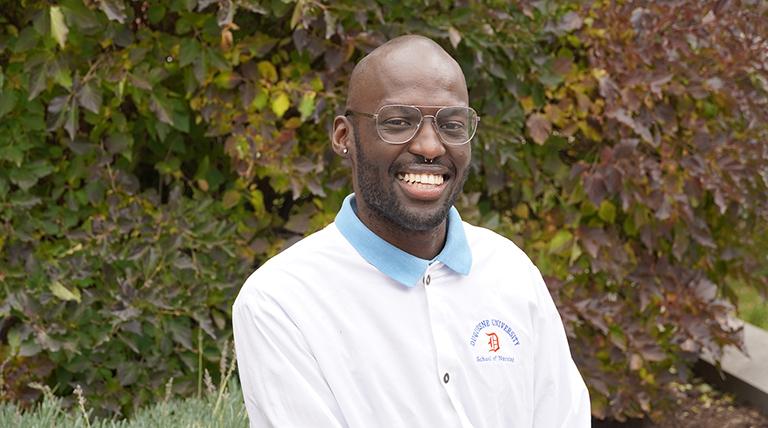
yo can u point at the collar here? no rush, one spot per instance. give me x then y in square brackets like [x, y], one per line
[403, 267]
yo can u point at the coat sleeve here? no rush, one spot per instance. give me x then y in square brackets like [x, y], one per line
[281, 380]
[561, 397]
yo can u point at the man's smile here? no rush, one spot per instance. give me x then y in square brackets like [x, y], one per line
[424, 183]
[421, 178]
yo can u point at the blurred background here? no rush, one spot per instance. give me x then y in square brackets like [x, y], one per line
[153, 154]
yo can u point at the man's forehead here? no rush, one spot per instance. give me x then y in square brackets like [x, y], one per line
[407, 64]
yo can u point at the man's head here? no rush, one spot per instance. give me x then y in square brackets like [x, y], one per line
[410, 186]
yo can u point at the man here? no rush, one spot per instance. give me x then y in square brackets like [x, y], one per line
[398, 314]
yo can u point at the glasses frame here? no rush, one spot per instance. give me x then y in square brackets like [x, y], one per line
[375, 117]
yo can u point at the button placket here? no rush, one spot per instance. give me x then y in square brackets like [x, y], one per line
[447, 363]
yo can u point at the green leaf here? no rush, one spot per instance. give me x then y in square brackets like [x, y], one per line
[168, 167]
[7, 102]
[307, 105]
[161, 109]
[95, 191]
[80, 16]
[180, 120]
[280, 104]
[298, 14]
[14, 339]
[607, 211]
[267, 71]
[202, 168]
[59, 29]
[260, 100]
[3, 192]
[90, 97]
[38, 81]
[156, 13]
[560, 241]
[189, 49]
[230, 199]
[114, 9]
[12, 154]
[63, 293]
[40, 168]
[62, 76]
[226, 80]
[119, 143]
[23, 178]
[71, 124]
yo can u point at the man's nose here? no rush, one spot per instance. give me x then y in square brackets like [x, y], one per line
[426, 143]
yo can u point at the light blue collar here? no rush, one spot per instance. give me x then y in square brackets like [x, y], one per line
[396, 263]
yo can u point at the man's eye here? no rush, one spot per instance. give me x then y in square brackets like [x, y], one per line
[397, 122]
[452, 126]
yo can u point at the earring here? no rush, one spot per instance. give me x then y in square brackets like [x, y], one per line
[345, 151]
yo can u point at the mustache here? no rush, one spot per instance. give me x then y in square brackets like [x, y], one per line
[412, 160]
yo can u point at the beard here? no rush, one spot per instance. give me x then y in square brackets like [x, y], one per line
[384, 203]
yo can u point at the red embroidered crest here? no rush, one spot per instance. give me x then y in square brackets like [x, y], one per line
[493, 342]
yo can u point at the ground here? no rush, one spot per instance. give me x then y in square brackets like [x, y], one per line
[702, 408]
[720, 412]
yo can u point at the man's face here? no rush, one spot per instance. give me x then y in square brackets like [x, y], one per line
[392, 181]
[401, 188]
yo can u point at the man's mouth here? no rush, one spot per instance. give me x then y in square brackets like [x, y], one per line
[429, 179]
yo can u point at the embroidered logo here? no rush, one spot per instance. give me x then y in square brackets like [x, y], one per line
[493, 342]
[500, 347]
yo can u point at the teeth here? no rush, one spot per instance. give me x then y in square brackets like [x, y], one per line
[421, 178]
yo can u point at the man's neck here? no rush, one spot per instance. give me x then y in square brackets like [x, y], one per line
[423, 244]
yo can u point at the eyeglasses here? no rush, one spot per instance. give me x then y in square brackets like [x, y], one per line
[398, 124]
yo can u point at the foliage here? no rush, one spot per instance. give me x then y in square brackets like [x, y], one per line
[150, 151]
[205, 411]
[670, 191]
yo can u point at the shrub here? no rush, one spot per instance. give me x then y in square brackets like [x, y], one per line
[151, 151]
[222, 407]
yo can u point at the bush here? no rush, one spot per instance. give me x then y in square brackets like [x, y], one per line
[151, 152]
[222, 408]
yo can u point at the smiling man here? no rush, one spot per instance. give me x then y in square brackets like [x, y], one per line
[399, 314]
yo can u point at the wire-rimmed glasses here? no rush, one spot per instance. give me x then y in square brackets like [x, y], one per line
[399, 123]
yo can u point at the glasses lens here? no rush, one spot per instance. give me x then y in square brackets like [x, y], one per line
[397, 124]
[456, 125]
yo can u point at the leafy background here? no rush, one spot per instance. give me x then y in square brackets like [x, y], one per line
[153, 153]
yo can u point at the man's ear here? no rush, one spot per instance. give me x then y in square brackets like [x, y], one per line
[342, 136]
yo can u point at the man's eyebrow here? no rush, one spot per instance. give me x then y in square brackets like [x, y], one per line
[388, 102]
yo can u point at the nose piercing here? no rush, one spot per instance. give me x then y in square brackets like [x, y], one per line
[428, 160]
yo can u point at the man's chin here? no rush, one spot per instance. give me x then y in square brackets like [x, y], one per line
[419, 220]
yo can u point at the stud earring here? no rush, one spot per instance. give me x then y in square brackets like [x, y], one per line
[345, 151]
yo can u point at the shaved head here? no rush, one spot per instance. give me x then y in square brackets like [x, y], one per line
[388, 62]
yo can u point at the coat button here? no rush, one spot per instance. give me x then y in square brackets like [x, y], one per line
[446, 378]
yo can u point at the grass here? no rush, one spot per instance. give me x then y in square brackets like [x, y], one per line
[218, 408]
[753, 308]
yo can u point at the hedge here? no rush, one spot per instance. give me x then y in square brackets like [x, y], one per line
[152, 154]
